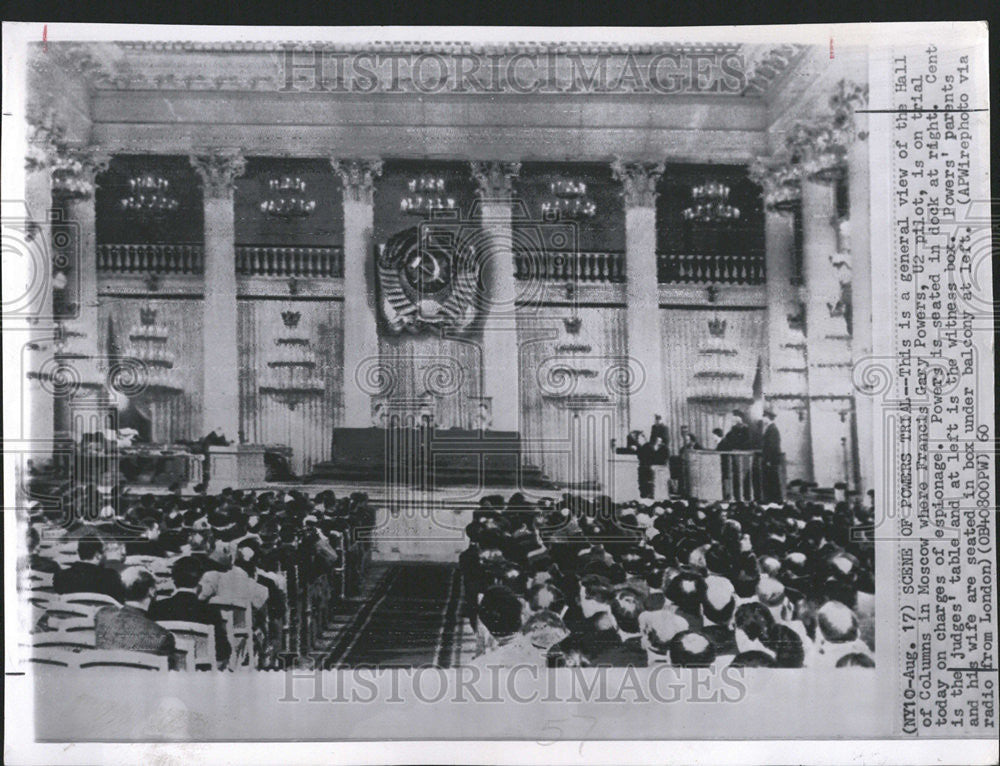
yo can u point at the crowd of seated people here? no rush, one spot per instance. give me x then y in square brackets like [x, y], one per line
[235, 563]
[590, 583]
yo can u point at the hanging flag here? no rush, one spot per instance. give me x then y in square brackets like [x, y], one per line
[757, 407]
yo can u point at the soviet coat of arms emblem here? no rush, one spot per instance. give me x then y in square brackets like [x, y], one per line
[427, 279]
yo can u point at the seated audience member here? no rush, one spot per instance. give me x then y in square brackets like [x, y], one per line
[236, 584]
[691, 649]
[752, 659]
[686, 592]
[201, 545]
[34, 560]
[500, 614]
[658, 630]
[184, 605]
[593, 597]
[129, 626]
[546, 596]
[599, 635]
[752, 625]
[718, 610]
[88, 575]
[149, 543]
[856, 660]
[544, 629]
[569, 653]
[626, 606]
[787, 646]
[114, 556]
[837, 634]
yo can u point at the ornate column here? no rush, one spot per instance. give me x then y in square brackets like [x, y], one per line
[78, 193]
[360, 328]
[828, 351]
[220, 364]
[501, 368]
[786, 387]
[38, 405]
[639, 180]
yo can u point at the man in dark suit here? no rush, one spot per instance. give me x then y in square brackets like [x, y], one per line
[646, 455]
[738, 436]
[88, 575]
[658, 429]
[771, 457]
[626, 606]
[129, 627]
[185, 606]
[34, 560]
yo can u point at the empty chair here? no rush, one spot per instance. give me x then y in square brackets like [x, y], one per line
[121, 658]
[58, 609]
[31, 580]
[40, 599]
[74, 625]
[51, 657]
[90, 599]
[62, 639]
[198, 638]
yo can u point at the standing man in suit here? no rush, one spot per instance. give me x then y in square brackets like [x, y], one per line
[738, 436]
[659, 429]
[771, 456]
[184, 605]
[129, 626]
[89, 575]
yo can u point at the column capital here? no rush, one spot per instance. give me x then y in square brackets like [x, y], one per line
[639, 180]
[358, 177]
[218, 171]
[494, 179]
[73, 171]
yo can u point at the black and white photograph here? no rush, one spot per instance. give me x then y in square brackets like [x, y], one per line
[457, 357]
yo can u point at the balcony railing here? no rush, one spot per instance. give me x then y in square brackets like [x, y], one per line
[158, 259]
[735, 268]
[569, 267]
[320, 262]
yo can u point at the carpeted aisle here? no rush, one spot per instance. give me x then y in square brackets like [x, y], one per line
[411, 618]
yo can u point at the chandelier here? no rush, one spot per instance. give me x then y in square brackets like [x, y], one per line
[149, 197]
[711, 204]
[148, 344]
[569, 201]
[286, 199]
[426, 196]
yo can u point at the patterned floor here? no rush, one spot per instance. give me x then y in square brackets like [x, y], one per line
[407, 615]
